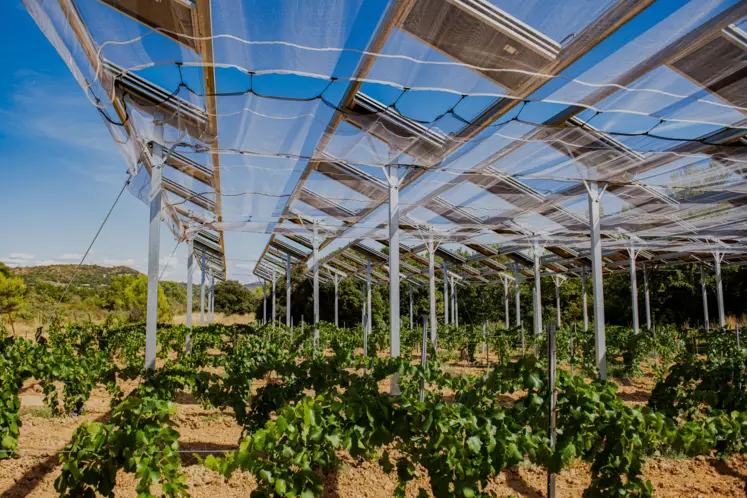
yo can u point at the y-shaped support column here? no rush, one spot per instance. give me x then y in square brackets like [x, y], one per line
[633, 289]
[600, 342]
[718, 257]
[704, 293]
[537, 291]
[446, 293]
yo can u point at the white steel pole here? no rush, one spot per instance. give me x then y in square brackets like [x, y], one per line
[432, 293]
[646, 297]
[704, 292]
[202, 290]
[337, 281]
[505, 300]
[633, 290]
[517, 281]
[596, 279]
[537, 292]
[315, 244]
[288, 291]
[363, 307]
[212, 298]
[369, 320]
[154, 243]
[717, 258]
[456, 304]
[557, 302]
[446, 293]
[190, 271]
[394, 283]
[452, 299]
[584, 304]
[209, 302]
[274, 279]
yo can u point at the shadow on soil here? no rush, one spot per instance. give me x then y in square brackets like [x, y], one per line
[725, 469]
[33, 476]
[516, 482]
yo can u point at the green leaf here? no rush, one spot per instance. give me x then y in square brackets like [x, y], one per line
[8, 443]
[474, 444]
[280, 486]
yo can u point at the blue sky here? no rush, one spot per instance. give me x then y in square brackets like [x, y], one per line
[61, 170]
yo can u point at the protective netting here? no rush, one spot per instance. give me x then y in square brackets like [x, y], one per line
[285, 115]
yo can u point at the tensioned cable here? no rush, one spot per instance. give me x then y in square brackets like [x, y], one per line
[378, 55]
[451, 110]
[98, 232]
[168, 261]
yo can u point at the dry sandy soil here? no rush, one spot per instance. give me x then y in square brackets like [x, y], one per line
[33, 473]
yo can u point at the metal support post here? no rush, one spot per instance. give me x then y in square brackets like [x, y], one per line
[411, 324]
[446, 293]
[288, 291]
[207, 297]
[505, 301]
[537, 291]
[584, 304]
[212, 298]
[596, 278]
[517, 281]
[154, 242]
[551, 360]
[633, 290]
[369, 320]
[456, 304]
[274, 279]
[557, 281]
[484, 336]
[394, 317]
[264, 301]
[190, 272]
[646, 297]
[202, 290]
[423, 353]
[337, 308]
[704, 292]
[432, 292]
[452, 303]
[315, 244]
[718, 256]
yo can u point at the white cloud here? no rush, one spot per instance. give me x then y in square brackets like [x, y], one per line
[117, 262]
[46, 262]
[18, 259]
[21, 256]
[71, 256]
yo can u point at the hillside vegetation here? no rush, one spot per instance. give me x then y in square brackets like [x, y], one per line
[88, 275]
[98, 292]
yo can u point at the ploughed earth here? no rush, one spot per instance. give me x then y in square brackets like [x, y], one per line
[204, 431]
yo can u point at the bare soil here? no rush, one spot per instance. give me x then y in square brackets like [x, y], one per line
[203, 431]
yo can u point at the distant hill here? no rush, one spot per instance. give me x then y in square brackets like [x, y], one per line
[253, 285]
[88, 276]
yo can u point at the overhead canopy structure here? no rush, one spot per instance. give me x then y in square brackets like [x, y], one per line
[284, 119]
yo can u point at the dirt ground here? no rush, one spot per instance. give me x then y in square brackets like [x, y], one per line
[204, 431]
